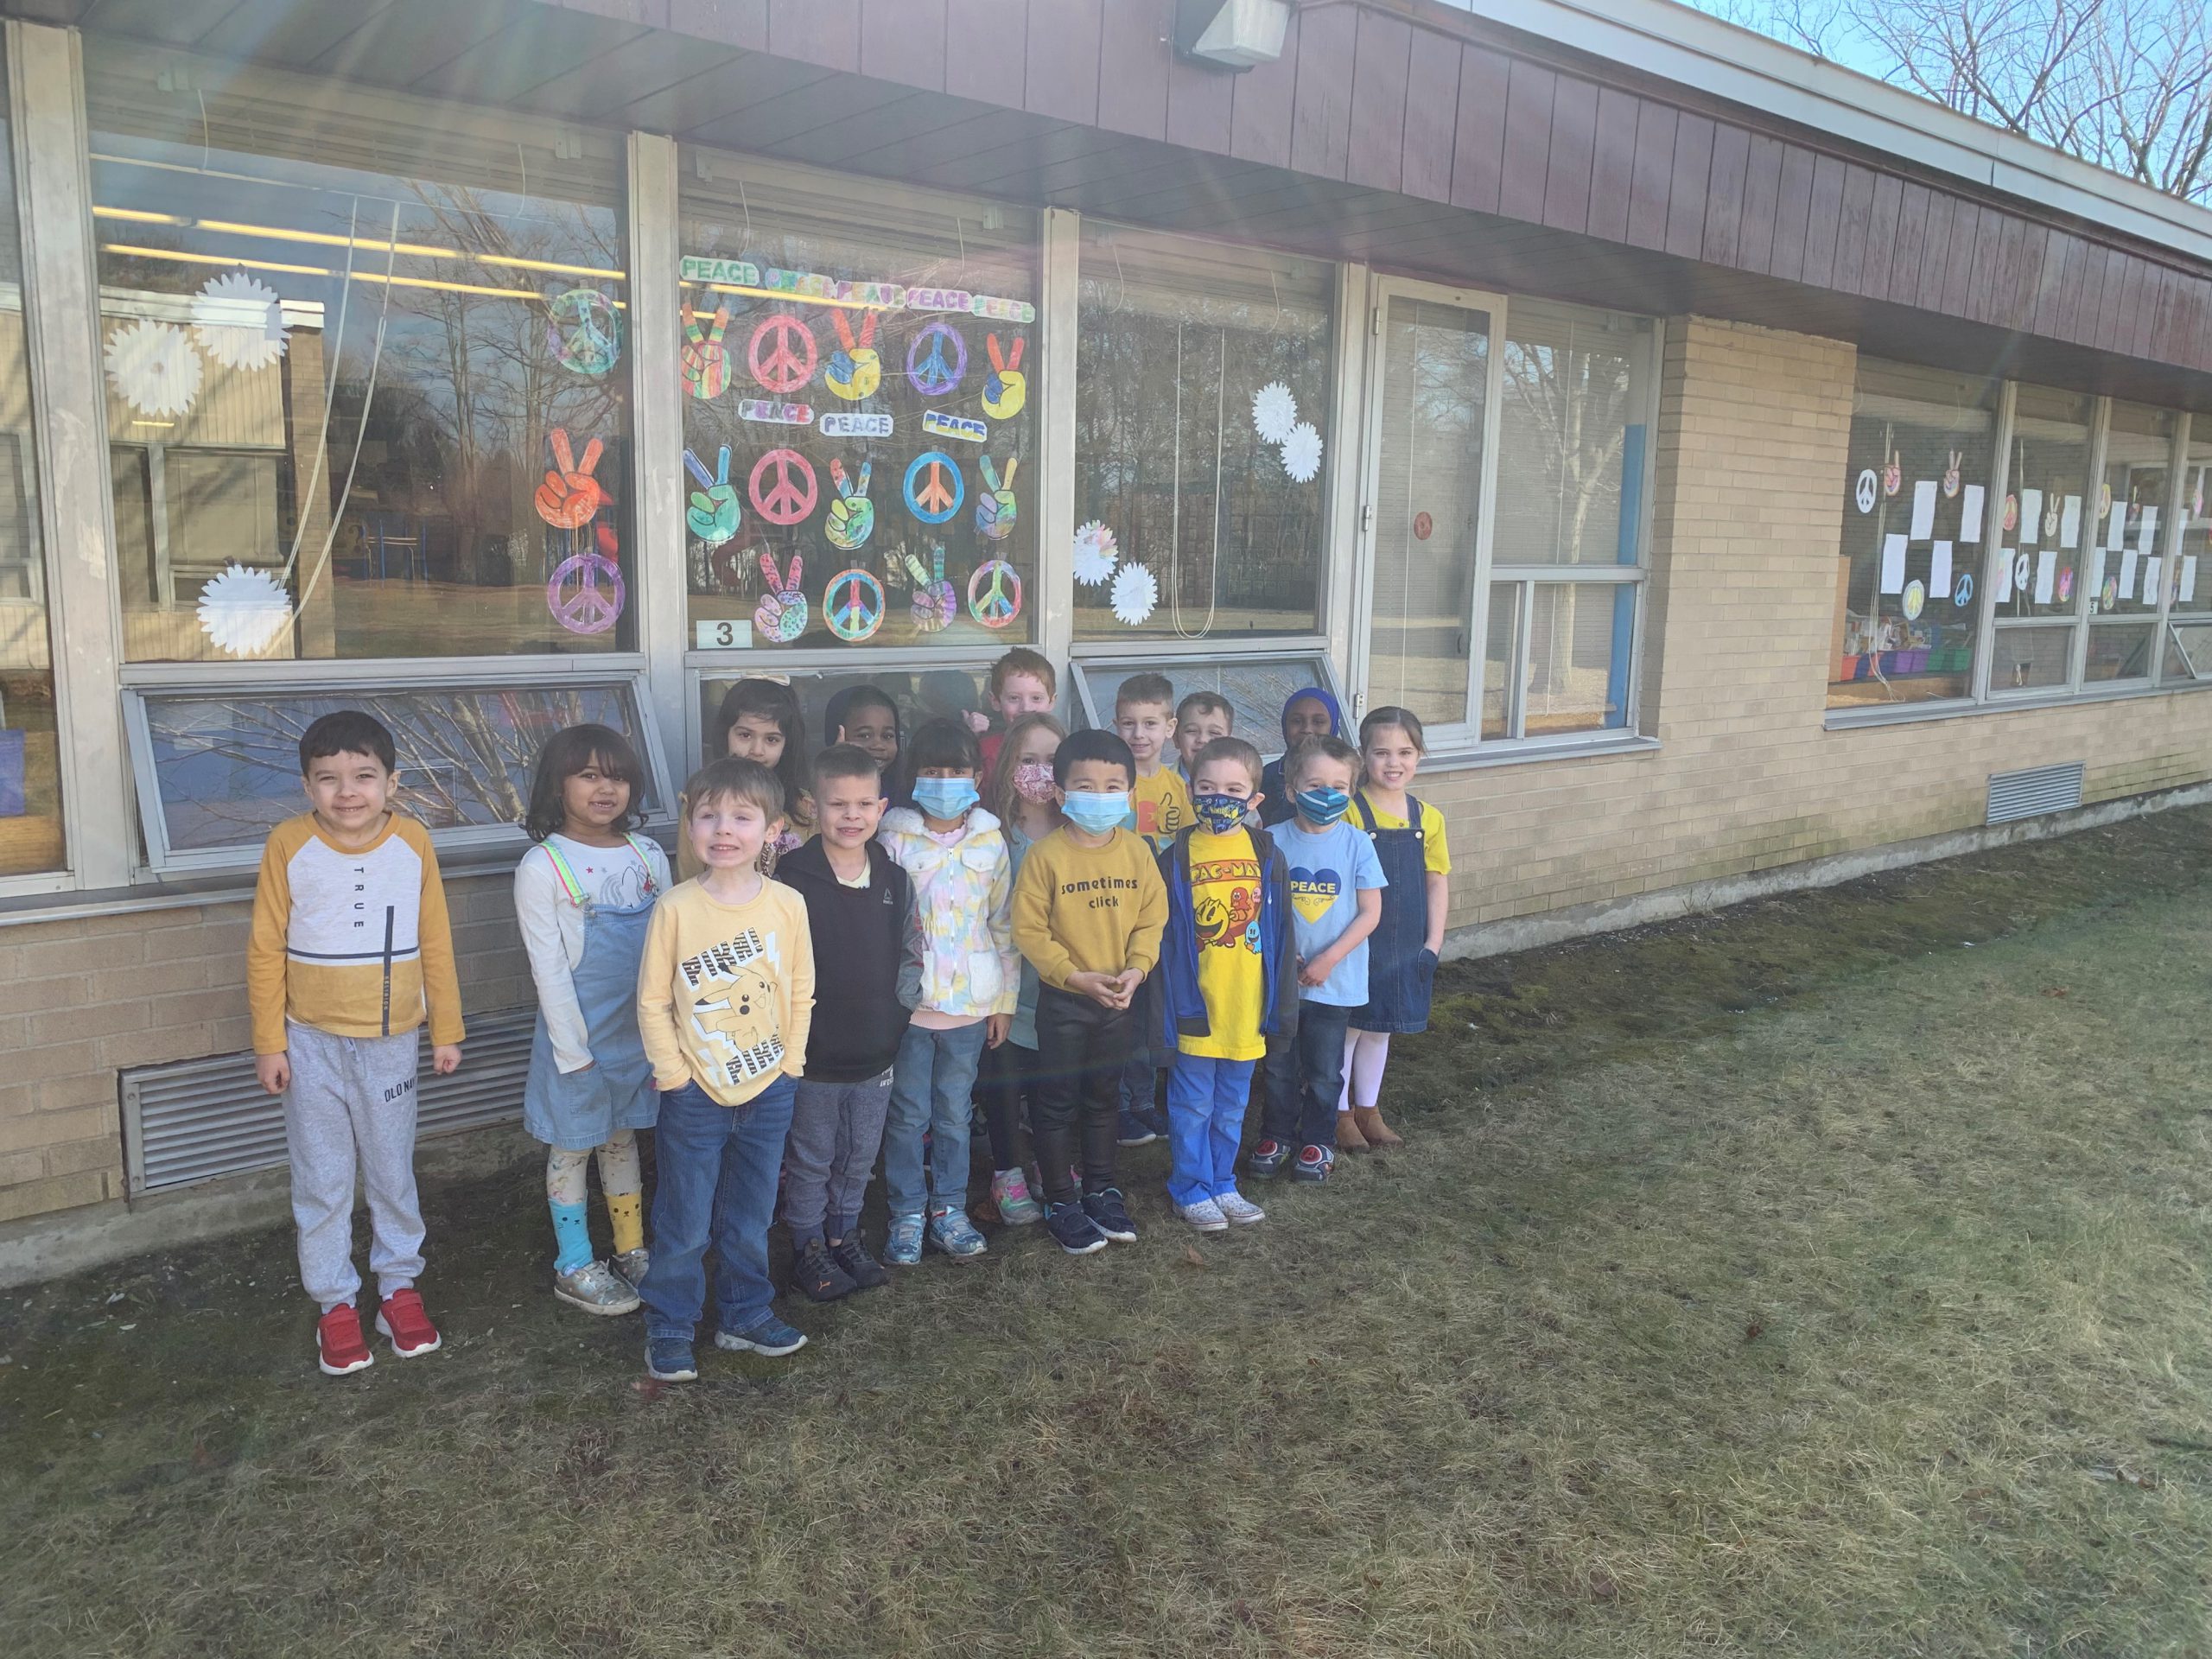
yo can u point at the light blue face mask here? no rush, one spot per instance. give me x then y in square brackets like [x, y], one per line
[944, 797]
[1096, 814]
[1321, 806]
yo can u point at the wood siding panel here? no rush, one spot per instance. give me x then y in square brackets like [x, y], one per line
[1528, 142]
[1198, 102]
[1724, 200]
[986, 44]
[1654, 177]
[734, 22]
[2027, 276]
[1854, 211]
[1061, 60]
[1574, 139]
[1873, 276]
[1935, 248]
[1685, 192]
[1259, 119]
[825, 32]
[1431, 116]
[1478, 148]
[1908, 247]
[904, 40]
[1792, 212]
[1958, 266]
[1824, 220]
[2050, 282]
[1613, 163]
[1134, 52]
[1381, 69]
[1320, 116]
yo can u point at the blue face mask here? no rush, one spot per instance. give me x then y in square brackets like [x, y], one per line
[944, 797]
[1321, 806]
[1096, 814]
[1219, 813]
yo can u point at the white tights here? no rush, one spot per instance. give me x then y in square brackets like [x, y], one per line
[1366, 1052]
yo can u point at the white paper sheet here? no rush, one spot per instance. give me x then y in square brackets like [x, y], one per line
[2151, 579]
[2127, 570]
[1939, 573]
[2147, 538]
[2046, 573]
[2004, 574]
[1893, 564]
[2097, 557]
[1970, 514]
[2188, 579]
[2116, 527]
[2030, 517]
[2069, 521]
[1923, 509]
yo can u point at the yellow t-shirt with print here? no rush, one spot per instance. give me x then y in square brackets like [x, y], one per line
[1161, 806]
[1435, 853]
[1226, 888]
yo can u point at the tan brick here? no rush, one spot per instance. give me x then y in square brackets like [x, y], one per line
[59, 1192]
[74, 1157]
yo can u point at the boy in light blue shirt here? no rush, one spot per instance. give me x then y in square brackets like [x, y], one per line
[1336, 899]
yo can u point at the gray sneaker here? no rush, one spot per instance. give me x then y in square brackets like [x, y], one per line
[596, 1288]
[1238, 1209]
[632, 1265]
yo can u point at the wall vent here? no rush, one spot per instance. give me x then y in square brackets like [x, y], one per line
[199, 1120]
[2038, 790]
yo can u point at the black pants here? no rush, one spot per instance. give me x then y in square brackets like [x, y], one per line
[1305, 1076]
[1081, 1048]
[1005, 1085]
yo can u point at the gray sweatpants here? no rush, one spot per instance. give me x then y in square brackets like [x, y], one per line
[352, 1106]
[837, 1129]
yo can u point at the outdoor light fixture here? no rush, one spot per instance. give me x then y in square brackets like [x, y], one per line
[1232, 35]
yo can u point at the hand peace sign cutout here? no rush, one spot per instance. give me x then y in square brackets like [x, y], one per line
[570, 495]
[781, 615]
[997, 605]
[706, 360]
[994, 508]
[791, 497]
[781, 354]
[713, 515]
[928, 370]
[934, 603]
[853, 605]
[855, 369]
[852, 515]
[1007, 389]
[934, 489]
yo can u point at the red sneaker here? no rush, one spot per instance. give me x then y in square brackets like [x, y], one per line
[339, 1348]
[400, 1316]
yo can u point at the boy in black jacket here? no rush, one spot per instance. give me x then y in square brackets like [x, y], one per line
[867, 950]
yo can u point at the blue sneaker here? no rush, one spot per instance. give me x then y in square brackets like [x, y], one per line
[769, 1336]
[1267, 1159]
[1134, 1131]
[1110, 1215]
[1072, 1229]
[903, 1248]
[951, 1231]
[1154, 1116]
[668, 1359]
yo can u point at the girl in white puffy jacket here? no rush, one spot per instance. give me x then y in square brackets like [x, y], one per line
[963, 998]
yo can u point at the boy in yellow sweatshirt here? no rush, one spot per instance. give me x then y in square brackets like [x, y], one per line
[725, 1003]
[350, 949]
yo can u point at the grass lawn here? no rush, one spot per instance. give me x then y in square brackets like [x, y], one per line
[1824, 1277]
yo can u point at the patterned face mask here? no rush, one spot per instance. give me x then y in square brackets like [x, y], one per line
[1219, 813]
[1032, 780]
[1321, 806]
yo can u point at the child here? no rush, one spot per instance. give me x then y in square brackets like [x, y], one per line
[350, 947]
[1408, 837]
[1336, 899]
[1199, 718]
[583, 895]
[759, 721]
[1022, 682]
[1226, 980]
[725, 1003]
[969, 981]
[1159, 807]
[1310, 712]
[867, 943]
[1087, 914]
[1020, 793]
[865, 717]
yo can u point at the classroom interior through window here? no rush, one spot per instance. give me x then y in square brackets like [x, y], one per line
[2189, 621]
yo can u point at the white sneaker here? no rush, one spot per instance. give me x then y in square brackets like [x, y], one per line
[1204, 1215]
[1235, 1206]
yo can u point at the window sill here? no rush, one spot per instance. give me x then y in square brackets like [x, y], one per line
[1478, 757]
[1954, 709]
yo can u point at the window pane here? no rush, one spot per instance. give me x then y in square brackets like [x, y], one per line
[1256, 688]
[2120, 651]
[865, 359]
[1905, 610]
[30, 757]
[1577, 679]
[2189, 650]
[2025, 658]
[2043, 516]
[1202, 405]
[1504, 631]
[1428, 498]
[2126, 566]
[2192, 583]
[1571, 436]
[366, 367]
[918, 695]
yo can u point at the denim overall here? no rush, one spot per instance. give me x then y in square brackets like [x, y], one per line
[1399, 966]
[580, 1109]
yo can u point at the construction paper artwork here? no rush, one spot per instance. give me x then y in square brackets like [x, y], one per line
[836, 423]
[1007, 389]
[781, 354]
[153, 368]
[704, 359]
[994, 593]
[964, 427]
[243, 609]
[855, 368]
[853, 605]
[574, 594]
[994, 503]
[584, 331]
[240, 321]
[760, 409]
[713, 514]
[1135, 595]
[782, 486]
[934, 603]
[780, 617]
[930, 370]
[570, 496]
[735, 273]
[1095, 554]
[852, 515]
[934, 489]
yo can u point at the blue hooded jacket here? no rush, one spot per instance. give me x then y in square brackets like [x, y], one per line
[1276, 808]
[1181, 1002]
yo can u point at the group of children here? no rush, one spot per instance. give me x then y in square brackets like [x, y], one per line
[1060, 929]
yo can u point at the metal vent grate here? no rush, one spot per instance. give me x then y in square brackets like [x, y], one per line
[2039, 788]
[197, 1120]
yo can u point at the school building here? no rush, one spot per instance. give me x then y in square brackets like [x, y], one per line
[1750, 472]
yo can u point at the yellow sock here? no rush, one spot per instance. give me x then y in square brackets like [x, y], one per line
[626, 1213]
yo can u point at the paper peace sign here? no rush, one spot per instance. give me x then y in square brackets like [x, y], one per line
[781, 615]
[934, 603]
[570, 495]
[574, 594]
[1007, 389]
[995, 507]
[853, 605]
[934, 489]
[928, 370]
[781, 354]
[855, 370]
[789, 497]
[584, 331]
[713, 515]
[706, 361]
[995, 606]
[852, 515]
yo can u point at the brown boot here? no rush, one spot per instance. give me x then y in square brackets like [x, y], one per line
[1379, 1135]
[1349, 1138]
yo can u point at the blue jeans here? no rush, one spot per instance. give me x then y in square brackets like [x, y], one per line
[718, 1167]
[932, 1086]
[1306, 1074]
[1205, 1124]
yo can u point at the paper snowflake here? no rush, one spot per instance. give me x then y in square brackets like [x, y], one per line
[1274, 411]
[1135, 594]
[1301, 453]
[240, 321]
[244, 610]
[1095, 554]
[154, 368]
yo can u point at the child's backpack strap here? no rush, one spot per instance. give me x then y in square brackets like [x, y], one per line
[569, 885]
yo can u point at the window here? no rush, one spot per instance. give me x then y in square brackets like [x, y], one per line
[2188, 631]
[367, 368]
[2126, 571]
[2040, 533]
[949, 692]
[1256, 689]
[1916, 512]
[1202, 427]
[862, 398]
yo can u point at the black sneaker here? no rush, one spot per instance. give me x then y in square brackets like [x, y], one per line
[818, 1274]
[1315, 1164]
[863, 1269]
[1267, 1160]
[1107, 1214]
[1072, 1229]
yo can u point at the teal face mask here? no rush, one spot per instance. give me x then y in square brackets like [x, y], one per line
[1321, 806]
[1096, 814]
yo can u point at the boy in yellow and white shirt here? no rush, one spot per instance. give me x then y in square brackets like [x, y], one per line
[350, 951]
